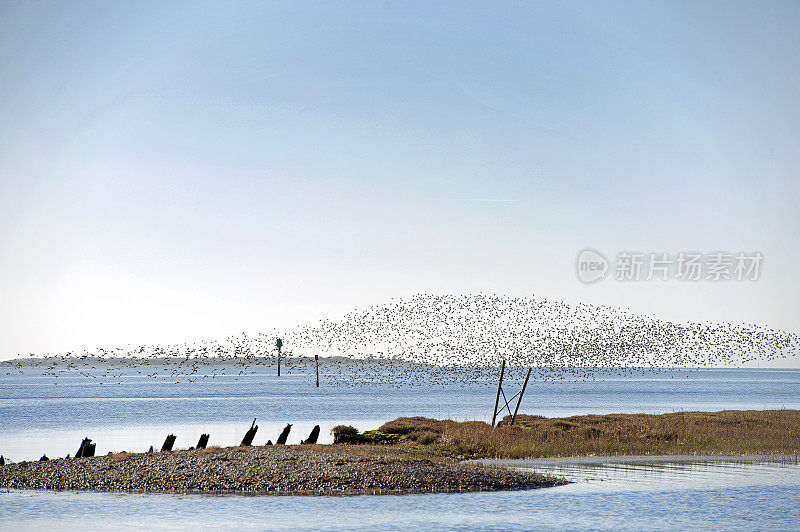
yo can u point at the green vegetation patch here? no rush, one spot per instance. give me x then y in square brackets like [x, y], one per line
[350, 435]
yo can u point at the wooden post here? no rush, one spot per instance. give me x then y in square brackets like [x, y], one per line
[168, 443]
[203, 442]
[499, 388]
[513, 417]
[279, 345]
[86, 449]
[84, 443]
[316, 362]
[312, 438]
[250, 434]
[284, 435]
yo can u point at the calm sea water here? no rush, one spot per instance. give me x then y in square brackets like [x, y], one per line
[132, 411]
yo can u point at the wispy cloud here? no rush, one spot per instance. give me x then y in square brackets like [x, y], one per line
[486, 200]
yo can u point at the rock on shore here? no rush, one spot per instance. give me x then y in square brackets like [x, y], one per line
[290, 470]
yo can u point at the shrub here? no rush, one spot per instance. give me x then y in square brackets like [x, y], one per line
[346, 434]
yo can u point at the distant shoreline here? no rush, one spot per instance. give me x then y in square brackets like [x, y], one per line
[65, 362]
[269, 361]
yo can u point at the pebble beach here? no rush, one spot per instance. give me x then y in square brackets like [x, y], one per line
[278, 470]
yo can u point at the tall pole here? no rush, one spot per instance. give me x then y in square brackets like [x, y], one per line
[520, 396]
[279, 345]
[316, 362]
[499, 387]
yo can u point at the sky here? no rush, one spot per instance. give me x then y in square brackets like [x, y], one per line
[174, 171]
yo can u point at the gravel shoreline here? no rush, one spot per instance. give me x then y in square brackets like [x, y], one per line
[278, 470]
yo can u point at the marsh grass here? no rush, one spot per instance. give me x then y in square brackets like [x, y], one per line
[725, 432]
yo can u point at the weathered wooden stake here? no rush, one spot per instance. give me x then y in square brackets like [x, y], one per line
[168, 443]
[250, 434]
[522, 391]
[86, 449]
[201, 444]
[2, 460]
[312, 438]
[499, 388]
[316, 362]
[284, 435]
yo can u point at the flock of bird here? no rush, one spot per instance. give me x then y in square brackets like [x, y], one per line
[447, 339]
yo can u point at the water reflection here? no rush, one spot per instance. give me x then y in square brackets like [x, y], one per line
[664, 473]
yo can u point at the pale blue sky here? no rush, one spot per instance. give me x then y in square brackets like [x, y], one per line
[172, 171]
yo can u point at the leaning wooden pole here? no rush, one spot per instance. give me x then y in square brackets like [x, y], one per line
[249, 435]
[521, 392]
[499, 388]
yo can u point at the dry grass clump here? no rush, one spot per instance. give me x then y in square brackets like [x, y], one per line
[726, 432]
[213, 449]
[425, 437]
[121, 456]
[409, 426]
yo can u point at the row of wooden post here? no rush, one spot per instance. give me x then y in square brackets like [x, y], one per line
[87, 448]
